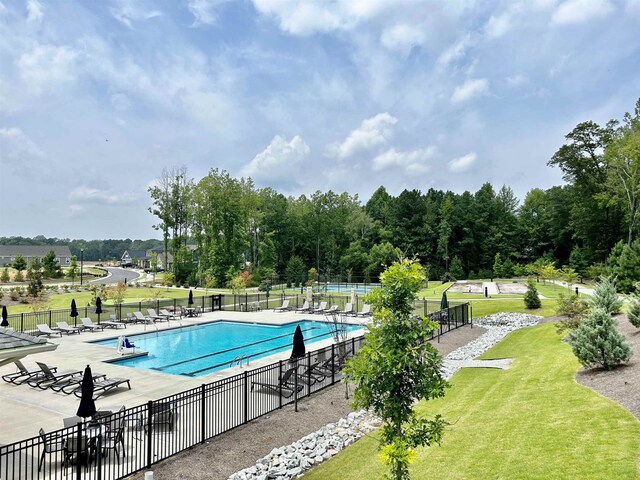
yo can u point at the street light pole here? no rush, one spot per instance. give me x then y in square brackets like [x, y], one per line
[81, 264]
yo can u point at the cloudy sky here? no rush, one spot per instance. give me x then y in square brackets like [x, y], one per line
[97, 97]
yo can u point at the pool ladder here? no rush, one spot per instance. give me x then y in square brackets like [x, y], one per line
[238, 360]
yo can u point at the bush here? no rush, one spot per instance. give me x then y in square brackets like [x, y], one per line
[574, 308]
[531, 298]
[605, 296]
[597, 342]
[633, 313]
[4, 276]
[19, 277]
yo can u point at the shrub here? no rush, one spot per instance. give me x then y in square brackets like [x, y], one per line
[605, 296]
[4, 276]
[13, 294]
[633, 313]
[531, 298]
[18, 277]
[597, 342]
[574, 308]
[1, 294]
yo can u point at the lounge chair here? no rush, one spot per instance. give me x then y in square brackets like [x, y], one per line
[89, 325]
[168, 314]
[284, 307]
[321, 308]
[366, 311]
[304, 308]
[66, 328]
[44, 329]
[113, 322]
[154, 316]
[141, 318]
[348, 309]
[68, 384]
[285, 385]
[23, 374]
[49, 376]
[313, 373]
[103, 386]
[332, 309]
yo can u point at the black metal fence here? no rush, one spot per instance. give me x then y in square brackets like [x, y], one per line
[133, 439]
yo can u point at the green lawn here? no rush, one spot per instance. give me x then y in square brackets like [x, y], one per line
[482, 308]
[532, 421]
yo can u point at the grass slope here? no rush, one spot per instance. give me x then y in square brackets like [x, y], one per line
[532, 421]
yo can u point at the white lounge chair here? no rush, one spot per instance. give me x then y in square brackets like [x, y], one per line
[348, 309]
[332, 309]
[168, 314]
[113, 322]
[154, 316]
[66, 328]
[366, 311]
[141, 318]
[322, 308]
[44, 329]
[304, 308]
[284, 307]
[88, 324]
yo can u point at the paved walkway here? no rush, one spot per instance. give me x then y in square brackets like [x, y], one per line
[492, 288]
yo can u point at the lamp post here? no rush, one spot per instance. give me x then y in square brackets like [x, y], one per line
[81, 264]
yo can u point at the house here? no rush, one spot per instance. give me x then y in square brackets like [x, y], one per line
[8, 253]
[135, 258]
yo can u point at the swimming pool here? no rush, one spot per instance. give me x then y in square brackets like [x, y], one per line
[346, 288]
[201, 349]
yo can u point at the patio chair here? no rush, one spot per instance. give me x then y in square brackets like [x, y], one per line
[348, 309]
[71, 421]
[68, 384]
[89, 325]
[284, 307]
[114, 435]
[285, 384]
[332, 309]
[141, 318]
[49, 376]
[321, 308]
[154, 316]
[113, 322]
[304, 308]
[52, 443]
[312, 373]
[366, 311]
[104, 386]
[23, 374]
[44, 329]
[66, 328]
[168, 314]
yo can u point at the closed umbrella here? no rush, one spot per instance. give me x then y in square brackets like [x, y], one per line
[87, 406]
[353, 297]
[310, 296]
[5, 322]
[298, 344]
[190, 297]
[98, 307]
[444, 303]
[74, 309]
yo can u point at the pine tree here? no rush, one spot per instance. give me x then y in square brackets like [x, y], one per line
[4, 276]
[531, 298]
[597, 342]
[633, 313]
[456, 270]
[605, 296]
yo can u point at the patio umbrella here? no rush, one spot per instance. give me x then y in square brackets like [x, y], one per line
[190, 297]
[98, 307]
[353, 297]
[298, 344]
[444, 303]
[74, 309]
[87, 406]
[310, 296]
[5, 322]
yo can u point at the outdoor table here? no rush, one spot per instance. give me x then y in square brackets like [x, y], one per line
[190, 311]
[90, 433]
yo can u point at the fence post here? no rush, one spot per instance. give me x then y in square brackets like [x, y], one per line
[309, 371]
[280, 383]
[175, 305]
[246, 397]
[22, 322]
[49, 318]
[149, 432]
[203, 414]
[333, 363]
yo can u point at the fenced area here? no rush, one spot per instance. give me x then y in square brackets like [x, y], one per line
[127, 440]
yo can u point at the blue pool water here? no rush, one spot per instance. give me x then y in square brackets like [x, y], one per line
[346, 288]
[201, 349]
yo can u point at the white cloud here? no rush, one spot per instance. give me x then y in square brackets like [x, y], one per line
[281, 162]
[16, 148]
[412, 162]
[516, 80]
[498, 25]
[464, 163]
[204, 11]
[579, 11]
[34, 11]
[454, 52]
[47, 65]
[470, 89]
[85, 194]
[403, 37]
[127, 12]
[372, 132]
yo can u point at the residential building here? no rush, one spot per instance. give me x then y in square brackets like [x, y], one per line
[8, 253]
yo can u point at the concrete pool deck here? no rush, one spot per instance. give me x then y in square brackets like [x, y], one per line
[26, 409]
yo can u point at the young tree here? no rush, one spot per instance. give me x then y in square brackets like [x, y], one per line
[154, 264]
[117, 292]
[295, 270]
[456, 270]
[50, 265]
[397, 366]
[569, 275]
[597, 341]
[72, 271]
[18, 277]
[4, 276]
[531, 298]
[574, 309]
[605, 296]
[19, 263]
[633, 312]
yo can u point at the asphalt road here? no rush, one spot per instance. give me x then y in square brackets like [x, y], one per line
[117, 275]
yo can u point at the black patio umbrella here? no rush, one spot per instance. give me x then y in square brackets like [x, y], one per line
[5, 322]
[190, 297]
[87, 406]
[74, 309]
[444, 303]
[98, 307]
[298, 344]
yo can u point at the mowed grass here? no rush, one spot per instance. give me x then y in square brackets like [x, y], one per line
[531, 421]
[482, 308]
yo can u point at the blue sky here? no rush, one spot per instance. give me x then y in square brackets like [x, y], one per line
[96, 98]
